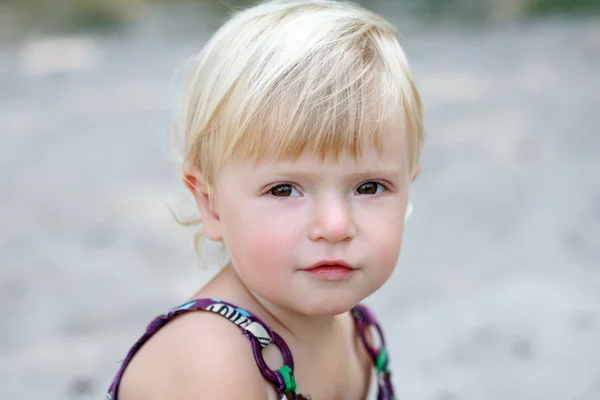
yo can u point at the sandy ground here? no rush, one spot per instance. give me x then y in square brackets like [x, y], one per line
[497, 294]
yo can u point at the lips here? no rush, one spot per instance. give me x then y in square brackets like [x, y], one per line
[330, 263]
[330, 270]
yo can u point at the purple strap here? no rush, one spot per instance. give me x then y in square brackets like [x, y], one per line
[256, 334]
[365, 319]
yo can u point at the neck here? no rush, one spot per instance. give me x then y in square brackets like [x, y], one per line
[318, 331]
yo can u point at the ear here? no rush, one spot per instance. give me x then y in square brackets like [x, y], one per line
[415, 172]
[195, 181]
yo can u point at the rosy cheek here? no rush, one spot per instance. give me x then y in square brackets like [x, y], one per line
[387, 236]
[260, 235]
[275, 233]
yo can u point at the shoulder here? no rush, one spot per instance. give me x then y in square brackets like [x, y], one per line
[196, 355]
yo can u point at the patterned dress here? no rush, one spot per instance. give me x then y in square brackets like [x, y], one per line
[260, 336]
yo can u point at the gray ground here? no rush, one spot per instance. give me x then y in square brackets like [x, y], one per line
[497, 295]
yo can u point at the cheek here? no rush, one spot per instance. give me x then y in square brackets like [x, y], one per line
[390, 242]
[259, 233]
[384, 228]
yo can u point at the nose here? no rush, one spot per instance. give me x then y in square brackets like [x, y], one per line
[332, 221]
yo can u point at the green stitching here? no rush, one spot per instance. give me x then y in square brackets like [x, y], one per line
[288, 377]
[382, 360]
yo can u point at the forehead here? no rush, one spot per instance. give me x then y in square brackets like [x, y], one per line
[391, 153]
[383, 145]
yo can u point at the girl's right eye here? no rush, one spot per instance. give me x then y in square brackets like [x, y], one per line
[284, 190]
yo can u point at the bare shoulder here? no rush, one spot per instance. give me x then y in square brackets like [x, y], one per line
[197, 355]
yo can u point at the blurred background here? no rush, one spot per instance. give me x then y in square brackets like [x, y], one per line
[497, 293]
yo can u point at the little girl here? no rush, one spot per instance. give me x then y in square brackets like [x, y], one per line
[302, 132]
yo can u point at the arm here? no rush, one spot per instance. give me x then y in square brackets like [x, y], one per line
[198, 356]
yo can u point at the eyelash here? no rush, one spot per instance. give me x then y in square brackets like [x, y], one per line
[383, 185]
[278, 185]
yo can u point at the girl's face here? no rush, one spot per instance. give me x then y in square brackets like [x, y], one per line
[278, 219]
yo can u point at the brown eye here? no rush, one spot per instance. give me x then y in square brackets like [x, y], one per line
[370, 188]
[285, 190]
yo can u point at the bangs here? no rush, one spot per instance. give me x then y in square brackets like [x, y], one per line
[339, 101]
[323, 118]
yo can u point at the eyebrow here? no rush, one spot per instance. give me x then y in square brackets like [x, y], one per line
[355, 175]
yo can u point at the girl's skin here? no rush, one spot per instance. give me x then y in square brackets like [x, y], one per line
[277, 218]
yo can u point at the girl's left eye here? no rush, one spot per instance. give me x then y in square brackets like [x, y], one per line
[370, 188]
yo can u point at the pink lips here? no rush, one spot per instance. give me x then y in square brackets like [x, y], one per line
[330, 270]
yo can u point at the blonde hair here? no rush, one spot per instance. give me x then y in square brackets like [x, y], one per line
[289, 76]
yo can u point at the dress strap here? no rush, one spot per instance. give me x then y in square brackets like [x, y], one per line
[365, 320]
[259, 334]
